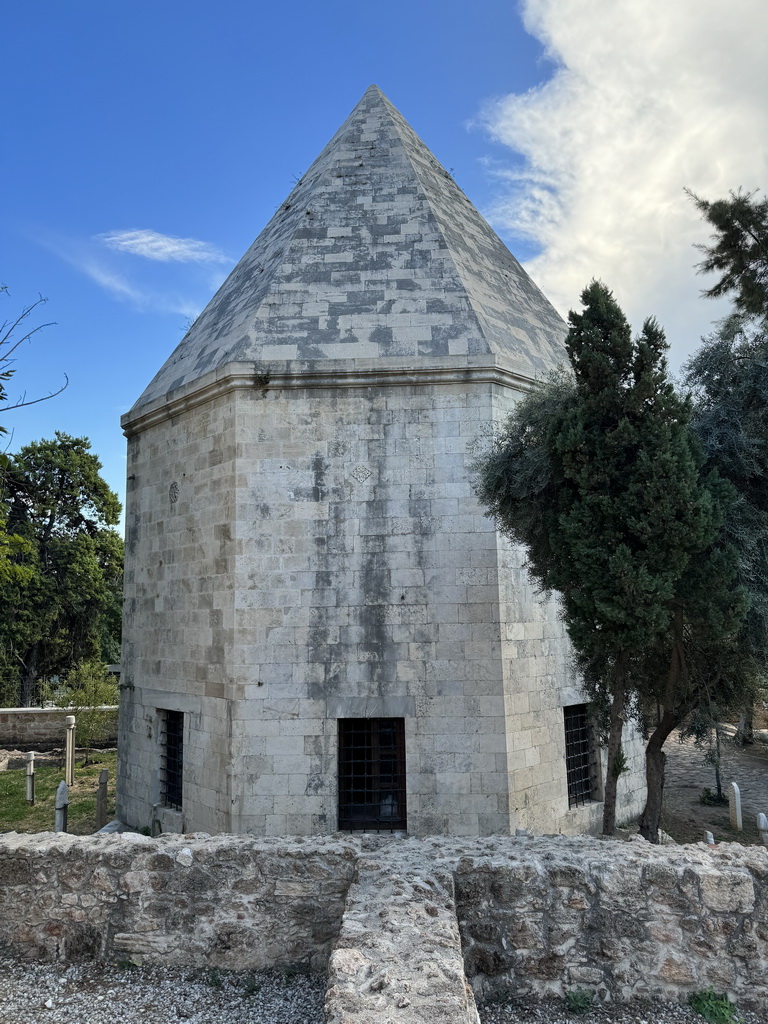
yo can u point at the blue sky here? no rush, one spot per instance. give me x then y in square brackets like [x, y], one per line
[147, 144]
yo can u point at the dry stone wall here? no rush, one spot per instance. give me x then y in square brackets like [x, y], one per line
[224, 901]
[630, 920]
[404, 926]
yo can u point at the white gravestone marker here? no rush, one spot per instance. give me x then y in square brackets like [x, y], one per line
[734, 806]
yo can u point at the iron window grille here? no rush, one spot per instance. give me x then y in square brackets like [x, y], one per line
[172, 760]
[372, 774]
[580, 756]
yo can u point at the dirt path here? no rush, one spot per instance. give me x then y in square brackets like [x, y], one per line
[686, 819]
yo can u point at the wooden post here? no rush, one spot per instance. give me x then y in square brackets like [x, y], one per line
[62, 805]
[101, 799]
[69, 757]
[31, 777]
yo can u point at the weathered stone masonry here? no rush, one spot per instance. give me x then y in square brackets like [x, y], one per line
[303, 544]
[404, 925]
[228, 903]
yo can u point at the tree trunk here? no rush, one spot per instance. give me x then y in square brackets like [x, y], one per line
[655, 759]
[614, 745]
[745, 730]
[718, 780]
[28, 679]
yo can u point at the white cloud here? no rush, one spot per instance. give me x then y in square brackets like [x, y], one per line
[165, 248]
[647, 97]
[174, 293]
[143, 299]
[111, 282]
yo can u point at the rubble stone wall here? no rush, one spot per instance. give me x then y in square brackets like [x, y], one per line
[406, 928]
[231, 902]
[627, 920]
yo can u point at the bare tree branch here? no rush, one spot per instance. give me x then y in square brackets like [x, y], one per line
[9, 344]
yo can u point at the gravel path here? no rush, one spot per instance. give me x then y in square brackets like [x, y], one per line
[32, 993]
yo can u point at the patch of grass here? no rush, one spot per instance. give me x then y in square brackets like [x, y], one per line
[213, 977]
[715, 1008]
[16, 815]
[251, 985]
[710, 799]
[129, 964]
[579, 1000]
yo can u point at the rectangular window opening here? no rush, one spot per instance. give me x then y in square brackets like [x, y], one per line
[172, 758]
[580, 756]
[372, 774]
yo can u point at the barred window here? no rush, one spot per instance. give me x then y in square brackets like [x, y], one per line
[580, 756]
[172, 757]
[372, 774]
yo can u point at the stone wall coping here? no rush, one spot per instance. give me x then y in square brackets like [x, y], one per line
[453, 853]
[53, 711]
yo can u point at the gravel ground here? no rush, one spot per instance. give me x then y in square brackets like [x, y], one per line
[100, 993]
[105, 993]
[553, 1011]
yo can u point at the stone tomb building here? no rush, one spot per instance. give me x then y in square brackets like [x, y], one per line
[322, 629]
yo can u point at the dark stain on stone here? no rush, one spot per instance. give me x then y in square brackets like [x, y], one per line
[319, 470]
[381, 336]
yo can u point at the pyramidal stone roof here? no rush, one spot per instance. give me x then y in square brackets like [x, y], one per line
[376, 256]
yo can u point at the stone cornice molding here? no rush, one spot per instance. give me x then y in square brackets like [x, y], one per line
[260, 379]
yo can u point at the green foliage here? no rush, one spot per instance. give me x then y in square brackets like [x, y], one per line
[717, 1009]
[728, 378]
[597, 474]
[214, 978]
[129, 964]
[60, 600]
[251, 986]
[710, 799]
[91, 693]
[579, 1000]
[619, 766]
[739, 250]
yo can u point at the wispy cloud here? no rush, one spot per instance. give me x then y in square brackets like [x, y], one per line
[645, 99]
[165, 248]
[110, 281]
[144, 299]
[172, 289]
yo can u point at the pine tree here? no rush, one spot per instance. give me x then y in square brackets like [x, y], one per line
[739, 250]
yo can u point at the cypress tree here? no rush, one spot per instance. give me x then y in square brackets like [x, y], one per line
[598, 476]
